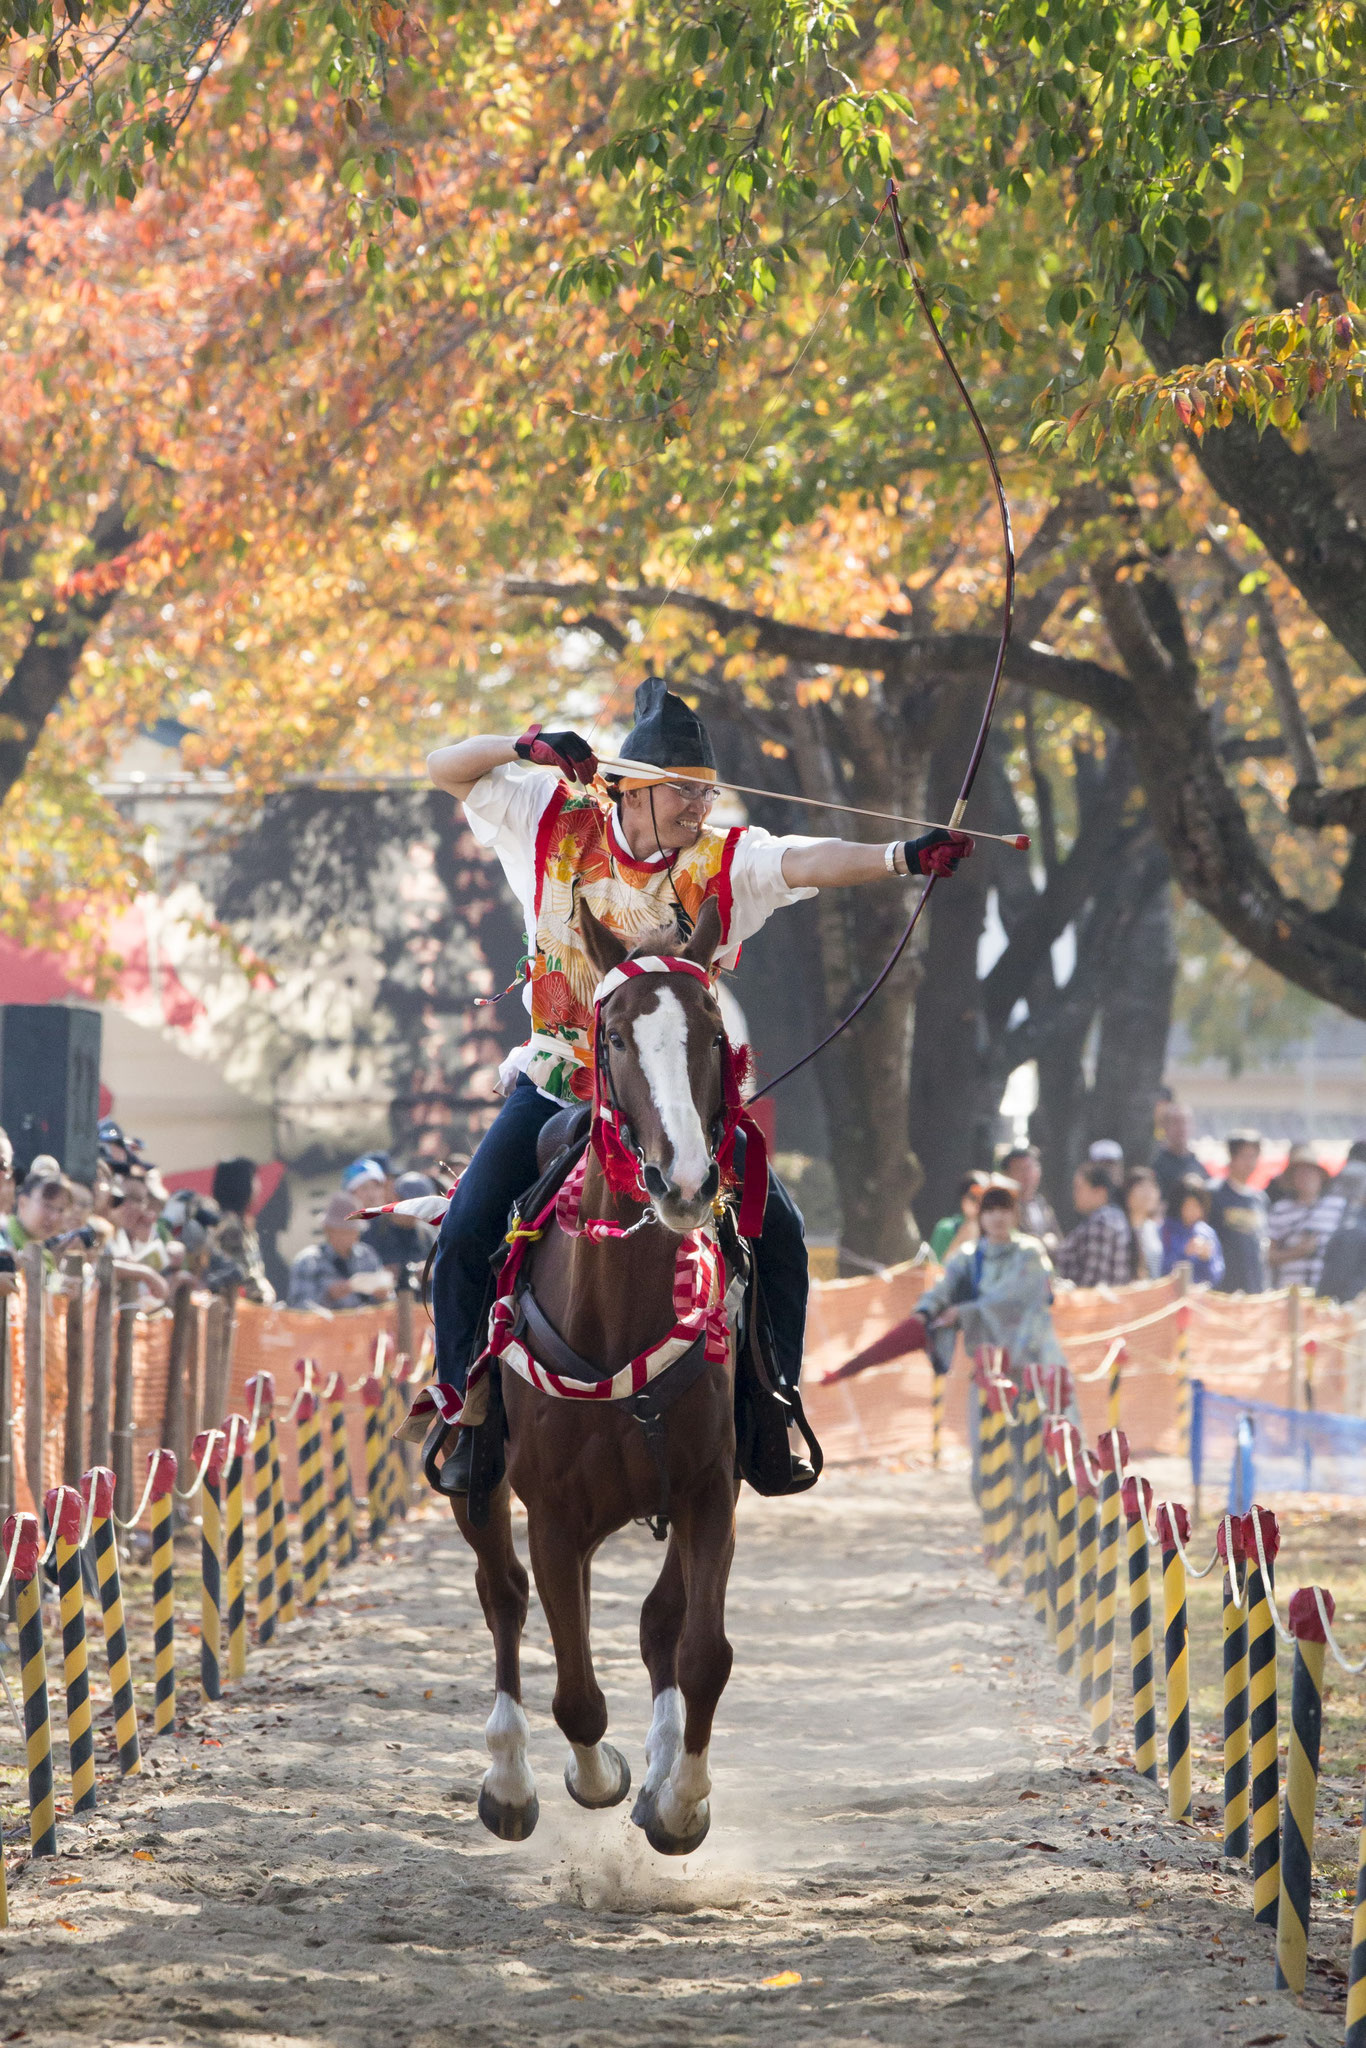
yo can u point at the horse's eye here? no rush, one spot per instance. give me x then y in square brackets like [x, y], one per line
[720, 1038]
[615, 1038]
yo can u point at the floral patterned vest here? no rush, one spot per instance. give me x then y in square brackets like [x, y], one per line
[579, 861]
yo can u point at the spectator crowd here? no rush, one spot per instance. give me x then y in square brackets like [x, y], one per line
[1142, 1221]
[155, 1234]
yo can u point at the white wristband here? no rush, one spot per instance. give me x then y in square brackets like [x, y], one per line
[889, 857]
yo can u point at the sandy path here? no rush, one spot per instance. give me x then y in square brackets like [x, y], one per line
[904, 1814]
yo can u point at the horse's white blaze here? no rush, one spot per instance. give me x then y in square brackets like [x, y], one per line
[661, 1037]
[508, 1778]
[664, 1740]
[682, 1798]
[595, 1771]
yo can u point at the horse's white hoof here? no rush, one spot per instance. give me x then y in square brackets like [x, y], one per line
[509, 1823]
[598, 1776]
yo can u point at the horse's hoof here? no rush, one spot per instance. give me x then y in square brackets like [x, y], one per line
[609, 1750]
[674, 1845]
[509, 1823]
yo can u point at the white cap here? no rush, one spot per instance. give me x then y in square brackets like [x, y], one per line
[1106, 1148]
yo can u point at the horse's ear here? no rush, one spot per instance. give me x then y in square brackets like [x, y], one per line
[601, 944]
[706, 934]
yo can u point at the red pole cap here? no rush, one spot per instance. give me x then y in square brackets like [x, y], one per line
[305, 1369]
[64, 1506]
[371, 1391]
[995, 1394]
[1058, 1384]
[1021, 842]
[403, 1368]
[27, 1547]
[335, 1389]
[1183, 1316]
[266, 1382]
[1241, 1535]
[981, 1367]
[308, 1402]
[1271, 1535]
[1086, 1485]
[218, 1457]
[235, 1428]
[1172, 1522]
[102, 1480]
[162, 1465]
[1303, 1617]
[1108, 1443]
[1129, 1494]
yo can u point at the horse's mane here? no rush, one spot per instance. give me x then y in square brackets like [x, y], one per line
[666, 938]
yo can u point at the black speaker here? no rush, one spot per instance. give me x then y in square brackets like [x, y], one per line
[50, 1084]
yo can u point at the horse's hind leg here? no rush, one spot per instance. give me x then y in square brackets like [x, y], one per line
[597, 1773]
[678, 1817]
[508, 1805]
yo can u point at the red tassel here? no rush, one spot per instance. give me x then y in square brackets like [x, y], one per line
[754, 1192]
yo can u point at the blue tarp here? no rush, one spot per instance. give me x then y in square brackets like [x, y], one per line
[1265, 1449]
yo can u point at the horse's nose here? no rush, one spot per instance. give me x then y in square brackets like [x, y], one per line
[711, 1183]
[659, 1185]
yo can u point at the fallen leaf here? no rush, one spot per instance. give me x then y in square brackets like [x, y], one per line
[430, 1693]
[63, 1880]
[143, 1856]
[1031, 1795]
[69, 1925]
[1263, 2040]
[1052, 1847]
[784, 1981]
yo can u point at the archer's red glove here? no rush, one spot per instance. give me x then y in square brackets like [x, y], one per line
[937, 852]
[563, 750]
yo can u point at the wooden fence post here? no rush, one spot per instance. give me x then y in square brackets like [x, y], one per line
[102, 1360]
[218, 1358]
[122, 1445]
[31, 1261]
[1293, 1320]
[73, 1435]
[176, 1418]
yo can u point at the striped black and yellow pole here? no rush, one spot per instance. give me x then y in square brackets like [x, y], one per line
[1183, 1382]
[237, 1430]
[398, 1409]
[284, 1570]
[1088, 1553]
[312, 1491]
[1230, 1541]
[260, 1395]
[1119, 1351]
[20, 1536]
[343, 1505]
[372, 1398]
[1067, 1549]
[208, 1453]
[64, 1508]
[936, 1416]
[1032, 1498]
[163, 1464]
[1173, 1527]
[1301, 1786]
[1112, 1453]
[1137, 1499]
[1262, 1716]
[996, 1478]
[1052, 1482]
[100, 1483]
[1356, 1973]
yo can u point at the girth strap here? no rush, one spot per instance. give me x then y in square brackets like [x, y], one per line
[544, 1340]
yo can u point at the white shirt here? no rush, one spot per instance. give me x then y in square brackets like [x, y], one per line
[505, 807]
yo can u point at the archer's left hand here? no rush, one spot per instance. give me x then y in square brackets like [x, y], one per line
[937, 852]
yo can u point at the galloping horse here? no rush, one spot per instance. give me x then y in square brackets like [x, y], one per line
[609, 1283]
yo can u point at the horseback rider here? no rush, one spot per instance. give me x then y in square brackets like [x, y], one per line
[644, 859]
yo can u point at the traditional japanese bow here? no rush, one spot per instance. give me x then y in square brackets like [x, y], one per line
[1007, 616]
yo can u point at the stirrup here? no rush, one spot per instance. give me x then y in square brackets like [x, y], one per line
[450, 1475]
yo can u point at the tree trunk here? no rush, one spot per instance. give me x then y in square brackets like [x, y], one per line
[1135, 1016]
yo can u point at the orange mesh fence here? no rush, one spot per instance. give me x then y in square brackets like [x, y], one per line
[264, 1339]
[1238, 1344]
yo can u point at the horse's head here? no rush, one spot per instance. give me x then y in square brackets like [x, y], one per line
[660, 1047]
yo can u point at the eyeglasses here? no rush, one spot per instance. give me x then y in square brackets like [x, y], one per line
[704, 794]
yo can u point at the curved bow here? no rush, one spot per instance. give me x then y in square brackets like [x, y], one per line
[1007, 617]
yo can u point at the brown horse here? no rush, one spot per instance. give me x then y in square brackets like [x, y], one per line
[583, 1468]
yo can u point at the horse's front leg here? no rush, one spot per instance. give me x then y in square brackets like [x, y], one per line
[674, 1808]
[597, 1773]
[508, 1805]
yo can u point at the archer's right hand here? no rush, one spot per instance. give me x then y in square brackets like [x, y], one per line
[565, 751]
